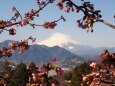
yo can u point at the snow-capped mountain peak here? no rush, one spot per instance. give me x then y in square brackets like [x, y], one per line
[59, 39]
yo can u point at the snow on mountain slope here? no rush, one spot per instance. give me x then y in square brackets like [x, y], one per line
[59, 39]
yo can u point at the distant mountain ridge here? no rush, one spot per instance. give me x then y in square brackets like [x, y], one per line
[87, 52]
[40, 54]
[71, 53]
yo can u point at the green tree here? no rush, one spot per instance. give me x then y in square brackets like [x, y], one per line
[32, 67]
[19, 75]
[78, 72]
[5, 67]
[68, 75]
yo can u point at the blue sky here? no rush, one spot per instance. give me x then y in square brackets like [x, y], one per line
[103, 35]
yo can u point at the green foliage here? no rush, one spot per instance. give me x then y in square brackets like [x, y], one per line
[78, 72]
[19, 75]
[5, 67]
[32, 68]
[68, 75]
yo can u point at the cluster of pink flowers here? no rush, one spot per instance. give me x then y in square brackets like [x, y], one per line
[2, 23]
[84, 25]
[93, 77]
[40, 76]
[93, 64]
[12, 31]
[59, 71]
[21, 46]
[81, 24]
[9, 24]
[16, 13]
[5, 52]
[42, 3]
[60, 5]
[104, 55]
[85, 79]
[49, 25]
[54, 83]
[28, 17]
[105, 74]
[95, 82]
[69, 5]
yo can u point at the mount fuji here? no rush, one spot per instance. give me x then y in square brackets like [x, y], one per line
[65, 41]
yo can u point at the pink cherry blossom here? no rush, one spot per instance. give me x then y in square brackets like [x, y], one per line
[93, 64]
[84, 79]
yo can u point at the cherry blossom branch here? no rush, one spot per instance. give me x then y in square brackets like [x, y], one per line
[33, 13]
[17, 14]
[100, 75]
[97, 19]
[48, 25]
[29, 16]
[21, 46]
[90, 17]
[106, 23]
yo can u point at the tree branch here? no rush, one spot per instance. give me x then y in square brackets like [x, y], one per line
[106, 23]
[2, 27]
[97, 19]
